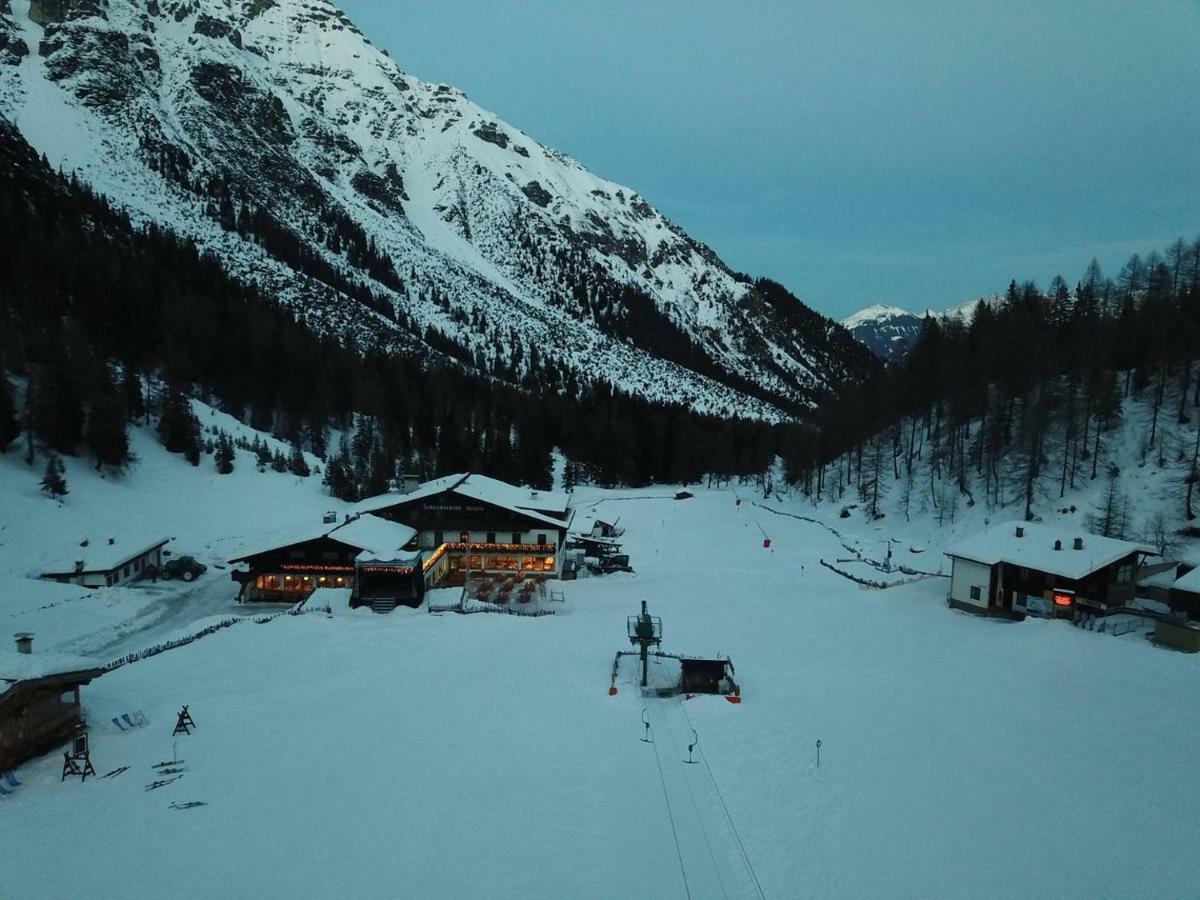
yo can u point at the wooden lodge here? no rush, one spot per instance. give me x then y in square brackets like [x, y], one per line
[105, 564]
[39, 701]
[475, 525]
[367, 554]
[1184, 596]
[397, 545]
[1022, 568]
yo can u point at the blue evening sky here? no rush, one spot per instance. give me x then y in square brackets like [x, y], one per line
[918, 154]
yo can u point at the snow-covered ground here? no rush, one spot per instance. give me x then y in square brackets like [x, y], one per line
[454, 756]
[206, 515]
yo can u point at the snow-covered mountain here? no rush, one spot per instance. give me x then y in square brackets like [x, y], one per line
[889, 331]
[383, 208]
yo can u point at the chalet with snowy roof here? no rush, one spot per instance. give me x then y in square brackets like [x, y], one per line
[107, 563]
[39, 700]
[1184, 597]
[376, 558]
[1023, 568]
[472, 523]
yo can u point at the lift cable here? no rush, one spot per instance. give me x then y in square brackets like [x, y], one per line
[670, 815]
[728, 816]
[699, 818]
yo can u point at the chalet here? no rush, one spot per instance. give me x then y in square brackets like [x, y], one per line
[104, 564]
[1184, 598]
[1028, 568]
[39, 701]
[375, 558]
[472, 523]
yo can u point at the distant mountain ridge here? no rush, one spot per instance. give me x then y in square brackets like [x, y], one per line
[890, 332]
[389, 211]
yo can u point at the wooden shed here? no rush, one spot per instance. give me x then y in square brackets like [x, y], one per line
[39, 701]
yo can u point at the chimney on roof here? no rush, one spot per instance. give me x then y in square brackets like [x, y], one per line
[83, 543]
[24, 642]
[1020, 531]
[1058, 545]
[111, 541]
[79, 565]
[1078, 543]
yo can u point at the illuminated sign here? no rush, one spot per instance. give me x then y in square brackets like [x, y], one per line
[387, 570]
[1062, 599]
[295, 567]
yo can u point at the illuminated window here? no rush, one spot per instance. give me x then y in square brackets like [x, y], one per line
[548, 564]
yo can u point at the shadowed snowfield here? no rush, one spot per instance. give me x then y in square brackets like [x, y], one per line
[459, 756]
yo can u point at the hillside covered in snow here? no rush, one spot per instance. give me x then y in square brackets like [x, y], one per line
[386, 211]
[481, 736]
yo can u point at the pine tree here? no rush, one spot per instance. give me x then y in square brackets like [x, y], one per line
[279, 462]
[223, 456]
[263, 453]
[131, 388]
[179, 427]
[106, 434]
[297, 465]
[54, 481]
[9, 427]
[56, 410]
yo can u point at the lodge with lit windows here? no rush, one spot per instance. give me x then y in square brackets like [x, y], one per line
[395, 546]
[1026, 568]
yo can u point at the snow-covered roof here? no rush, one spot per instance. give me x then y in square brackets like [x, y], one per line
[543, 506]
[102, 556]
[1164, 579]
[399, 557]
[1189, 582]
[379, 537]
[1035, 550]
[16, 666]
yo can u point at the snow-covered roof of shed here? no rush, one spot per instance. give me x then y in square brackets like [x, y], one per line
[16, 666]
[1036, 549]
[526, 501]
[1164, 579]
[101, 556]
[367, 533]
[1189, 582]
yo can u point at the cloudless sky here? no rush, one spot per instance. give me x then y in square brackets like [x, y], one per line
[918, 154]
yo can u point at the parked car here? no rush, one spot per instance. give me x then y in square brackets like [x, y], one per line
[186, 568]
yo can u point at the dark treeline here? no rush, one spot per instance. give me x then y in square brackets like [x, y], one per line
[983, 401]
[104, 323]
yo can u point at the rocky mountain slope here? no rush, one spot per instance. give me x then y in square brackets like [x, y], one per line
[394, 212]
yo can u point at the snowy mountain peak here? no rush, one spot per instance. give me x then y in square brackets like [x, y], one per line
[877, 313]
[385, 209]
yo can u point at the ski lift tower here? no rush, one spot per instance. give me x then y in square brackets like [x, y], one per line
[645, 631]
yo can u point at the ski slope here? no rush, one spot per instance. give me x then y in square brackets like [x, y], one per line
[455, 756]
